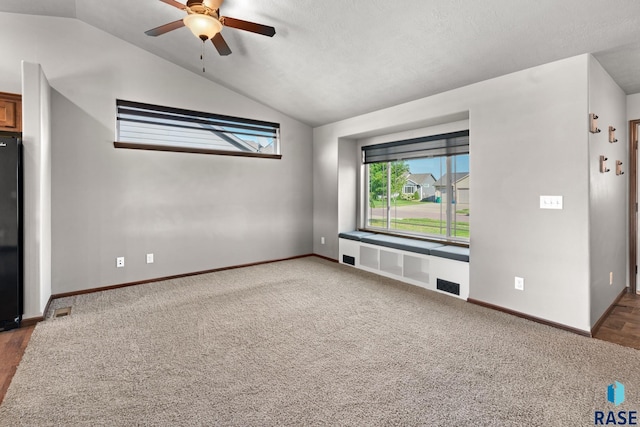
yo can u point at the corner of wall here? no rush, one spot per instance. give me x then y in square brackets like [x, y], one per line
[37, 187]
[608, 192]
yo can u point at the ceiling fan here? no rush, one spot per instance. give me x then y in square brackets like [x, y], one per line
[204, 20]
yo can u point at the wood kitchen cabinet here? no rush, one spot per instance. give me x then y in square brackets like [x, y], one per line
[10, 112]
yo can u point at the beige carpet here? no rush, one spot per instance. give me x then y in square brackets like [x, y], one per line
[307, 342]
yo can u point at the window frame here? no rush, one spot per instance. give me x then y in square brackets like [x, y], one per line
[413, 189]
[438, 152]
[195, 116]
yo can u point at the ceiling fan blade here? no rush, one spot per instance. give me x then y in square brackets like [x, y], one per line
[174, 3]
[221, 46]
[248, 26]
[158, 31]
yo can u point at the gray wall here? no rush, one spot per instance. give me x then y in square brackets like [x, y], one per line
[529, 137]
[608, 192]
[194, 212]
[633, 107]
[348, 169]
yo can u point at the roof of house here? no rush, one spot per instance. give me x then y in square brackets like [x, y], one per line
[421, 178]
[455, 178]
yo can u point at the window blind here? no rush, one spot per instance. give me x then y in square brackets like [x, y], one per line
[427, 146]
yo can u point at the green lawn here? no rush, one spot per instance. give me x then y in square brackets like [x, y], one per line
[397, 202]
[424, 225]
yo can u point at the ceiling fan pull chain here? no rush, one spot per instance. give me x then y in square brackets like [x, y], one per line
[202, 56]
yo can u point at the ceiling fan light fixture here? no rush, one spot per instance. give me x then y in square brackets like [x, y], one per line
[202, 26]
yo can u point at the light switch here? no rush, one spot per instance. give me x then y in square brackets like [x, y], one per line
[550, 202]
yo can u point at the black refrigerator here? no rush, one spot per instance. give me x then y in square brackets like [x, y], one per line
[11, 236]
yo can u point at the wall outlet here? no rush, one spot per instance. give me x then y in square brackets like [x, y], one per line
[519, 283]
[611, 278]
[120, 261]
[149, 258]
[322, 240]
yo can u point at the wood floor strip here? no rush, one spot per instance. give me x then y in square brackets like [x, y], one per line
[622, 325]
[12, 346]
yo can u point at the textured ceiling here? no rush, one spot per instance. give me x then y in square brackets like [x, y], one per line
[335, 59]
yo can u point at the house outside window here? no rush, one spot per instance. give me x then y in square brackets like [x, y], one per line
[428, 183]
[155, 127]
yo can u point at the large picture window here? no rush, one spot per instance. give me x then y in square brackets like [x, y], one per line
[419, 186]
[154, 127]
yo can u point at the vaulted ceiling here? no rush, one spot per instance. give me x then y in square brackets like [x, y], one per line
[334, 59]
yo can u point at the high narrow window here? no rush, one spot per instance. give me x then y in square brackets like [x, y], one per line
[154, 127]
[420, 186]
